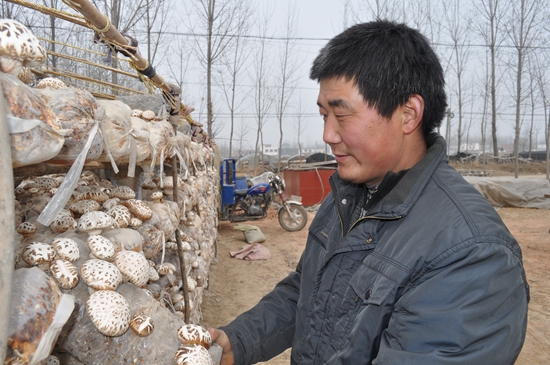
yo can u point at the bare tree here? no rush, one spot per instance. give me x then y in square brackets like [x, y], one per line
[263, 94]
[234, 63]
[286, 79]
[241, 135]
[300, 124]
[220, 21]
[491, 14]
[156, 17]
[458, 29]
[541, 77]
[521, 31]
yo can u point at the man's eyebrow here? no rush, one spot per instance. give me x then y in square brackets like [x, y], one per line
[337, 103]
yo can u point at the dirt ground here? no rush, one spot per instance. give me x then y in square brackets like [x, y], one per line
[236, 285]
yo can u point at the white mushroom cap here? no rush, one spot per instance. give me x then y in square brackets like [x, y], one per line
[101, 275]
[123, 192]
[18, 47]
[25, 75]
[37, 253]
[136, 113]
[193, 334]
[96, 195]
[139, 209]
[192, 355]
[94, 222]
[121, 216]
[66, 248]
[110, 203]
[191, 283]
[148, 114]
[135, 222]
[109, 311]
[52, 82]
[180, 306]
[142, 325]
[134, 266]
[153, 274]
[166, 268]
[26, 229]
[52, 360]
[63, 224]
[157, 196]
[84, 206]
[65, 273]
[101, 247]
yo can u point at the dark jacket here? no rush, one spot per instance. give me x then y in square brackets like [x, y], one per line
[430, 276]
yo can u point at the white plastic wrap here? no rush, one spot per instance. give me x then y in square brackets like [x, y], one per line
[65, 190]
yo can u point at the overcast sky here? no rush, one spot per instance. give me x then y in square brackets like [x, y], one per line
[320, 20]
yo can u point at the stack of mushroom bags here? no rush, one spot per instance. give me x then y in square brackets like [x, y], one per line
[118, 256]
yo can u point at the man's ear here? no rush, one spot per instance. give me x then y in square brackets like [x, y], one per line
[413, 111]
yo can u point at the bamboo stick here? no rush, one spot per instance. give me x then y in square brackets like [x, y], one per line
[82, 60]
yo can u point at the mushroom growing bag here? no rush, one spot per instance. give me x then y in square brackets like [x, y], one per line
[127, 138]
[38, 312]
[75, 109]
[36, 134]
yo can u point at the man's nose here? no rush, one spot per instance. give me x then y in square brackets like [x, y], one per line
[330, 131]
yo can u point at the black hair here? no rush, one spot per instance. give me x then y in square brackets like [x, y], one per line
[388, 62]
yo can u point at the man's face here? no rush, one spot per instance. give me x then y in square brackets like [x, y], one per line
[365, 144]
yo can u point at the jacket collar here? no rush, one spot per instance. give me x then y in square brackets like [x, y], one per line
[398, 199]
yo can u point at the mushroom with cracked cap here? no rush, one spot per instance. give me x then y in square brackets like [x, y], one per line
[123, 192]
[166, 268]
[51, 82]
[63, 224]
[101, 247]
[121, 216]
[139, 209]
[18, 47]
[142, 325]
[66, 248]
[65, 273]
[192, 355]
[82, 207]
[134, 266]
[37, 253]
[26, 229]
[109, 312]
[101, 275]
[193, 334]
[95, 222]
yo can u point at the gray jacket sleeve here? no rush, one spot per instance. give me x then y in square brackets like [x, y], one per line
[267, 329]
[480, 319]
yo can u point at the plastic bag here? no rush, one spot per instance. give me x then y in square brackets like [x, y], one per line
[75, 109]
[38, 312]
[127, 138]
[36, 135]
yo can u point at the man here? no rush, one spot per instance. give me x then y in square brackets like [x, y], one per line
[405, 263]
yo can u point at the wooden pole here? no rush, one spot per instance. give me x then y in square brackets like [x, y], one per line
[7, 227]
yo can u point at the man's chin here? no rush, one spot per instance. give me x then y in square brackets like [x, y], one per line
[347, 175]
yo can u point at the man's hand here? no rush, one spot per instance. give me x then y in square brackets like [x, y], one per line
[219, 337]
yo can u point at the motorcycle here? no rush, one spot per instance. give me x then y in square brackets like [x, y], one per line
[242, 203]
